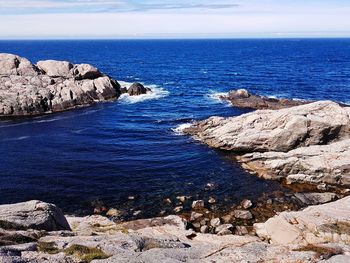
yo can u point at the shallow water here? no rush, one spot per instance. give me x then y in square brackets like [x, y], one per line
[112, 150]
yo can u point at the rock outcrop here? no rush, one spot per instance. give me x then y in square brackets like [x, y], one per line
[241, 98]
[98, 240]
[50, 86]
[308, 143]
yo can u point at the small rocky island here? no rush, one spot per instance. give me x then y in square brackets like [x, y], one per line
[241, 98]
[53, 86]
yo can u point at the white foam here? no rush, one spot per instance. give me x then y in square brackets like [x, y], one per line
[17, 138]
[179, 129]
[155, 93]
[216, 97]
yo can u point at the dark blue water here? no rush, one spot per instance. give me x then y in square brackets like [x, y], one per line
[112, 150]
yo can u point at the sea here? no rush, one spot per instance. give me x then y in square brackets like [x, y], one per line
[130, 154]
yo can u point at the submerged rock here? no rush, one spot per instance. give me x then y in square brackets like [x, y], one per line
[241, 98]
[137, 89]
[50, 86]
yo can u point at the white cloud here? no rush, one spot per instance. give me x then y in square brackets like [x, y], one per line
[252, 18]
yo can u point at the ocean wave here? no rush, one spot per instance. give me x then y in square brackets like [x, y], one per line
[179, 129]
[155, 93]
[16, 138]
[215, 97]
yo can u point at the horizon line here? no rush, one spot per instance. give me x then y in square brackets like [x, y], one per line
[171, 38]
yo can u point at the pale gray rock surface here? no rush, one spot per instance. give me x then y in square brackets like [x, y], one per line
[50, 86]
[314, 225]
[276, 130]
[167, 240]
[32, 215]
[305, 144]
[314, 164]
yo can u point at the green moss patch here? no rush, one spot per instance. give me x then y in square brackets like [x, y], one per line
[48, 247]
[84, 253]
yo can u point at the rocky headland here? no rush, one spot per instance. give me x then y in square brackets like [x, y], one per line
[305, 144]
[49, 86]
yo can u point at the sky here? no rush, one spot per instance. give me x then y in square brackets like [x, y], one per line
[129, 19]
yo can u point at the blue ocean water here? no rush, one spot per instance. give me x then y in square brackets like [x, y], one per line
[112, 150]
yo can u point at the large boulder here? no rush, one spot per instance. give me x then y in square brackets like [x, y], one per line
[86, 71]
[14, 65]
[51, 86]
[32, 215]
[54, 68]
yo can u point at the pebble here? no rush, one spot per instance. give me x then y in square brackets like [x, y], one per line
[242, 214]
[178, 209]
[195, 216]
[198, 204]
[136, 213]
[211, 200]
[241, 230]
[204, 229]
[182, 198]
[246, 204]
[215, 222]
[113, 212]
[167, 201]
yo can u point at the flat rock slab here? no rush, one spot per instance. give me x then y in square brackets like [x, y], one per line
[314, 225]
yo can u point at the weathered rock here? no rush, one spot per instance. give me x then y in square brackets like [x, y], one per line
[166, 239]
[51, 86]
[225, 229]
[86, 71]
[308, 143]
[315, 224]
[136, 89]
[215, 222]
[32, 215]
[246, 204]
[314, 164]
[195, 216]
[211, 200]
[243, 214]
[178, 209]
[283, 130]
[241, 230]
[54, 68]
[197, 204]
[316, 198]
[243, 99]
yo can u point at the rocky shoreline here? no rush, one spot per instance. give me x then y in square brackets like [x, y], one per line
[50, 86]
[39, 232]
[303, 144]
